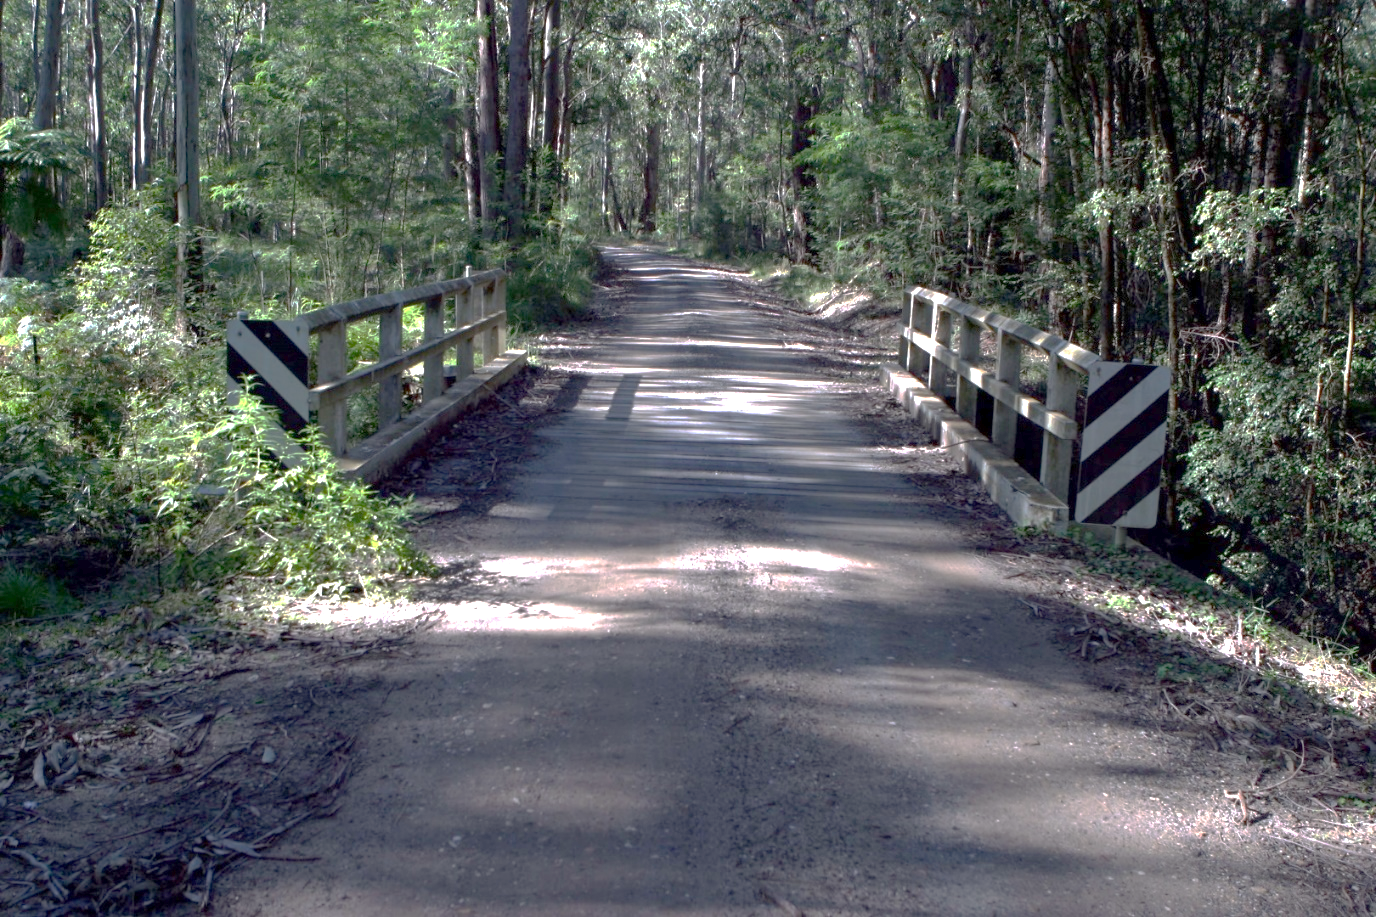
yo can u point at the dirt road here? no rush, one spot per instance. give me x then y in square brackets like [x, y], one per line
[731, 662]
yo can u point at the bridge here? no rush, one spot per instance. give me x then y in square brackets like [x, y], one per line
[734, 659]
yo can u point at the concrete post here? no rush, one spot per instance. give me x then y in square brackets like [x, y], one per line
[389, 389]
[939, 380]
[331, 364]
[1062, 391]
[496, 338]
[967, 393]
[434, 366]
[1009, 371]
[920, 363]
[905, 325]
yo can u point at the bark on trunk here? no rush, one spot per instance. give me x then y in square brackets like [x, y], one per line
[566, 100]
[701, 168]
[1356, 292]
[449, 136]
[1160, 110]
[187, 114]
[4, 179]
[548, 179]
[44, 110]
[487, 119]
[801, 178]
[1108, 281]
[471, 175]
[553, 98]
[145, 75]
[100, 156]
[1045, 230]
[649, 205]
[229, 56]
[188, 164]
[45, 96]
[967, 79]
[517, 115]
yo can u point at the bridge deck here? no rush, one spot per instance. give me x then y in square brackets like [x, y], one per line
[746, 666]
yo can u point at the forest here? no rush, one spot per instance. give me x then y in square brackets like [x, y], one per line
[1187, 182]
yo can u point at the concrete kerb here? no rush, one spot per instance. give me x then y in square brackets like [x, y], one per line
[379, 455]
[1018, 493]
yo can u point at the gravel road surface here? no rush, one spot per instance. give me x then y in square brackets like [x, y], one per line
[734, 663]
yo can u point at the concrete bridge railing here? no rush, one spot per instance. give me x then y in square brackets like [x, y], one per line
[464, 316]
[931, 367]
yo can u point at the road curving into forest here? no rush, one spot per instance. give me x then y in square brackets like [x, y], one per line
[733, 661]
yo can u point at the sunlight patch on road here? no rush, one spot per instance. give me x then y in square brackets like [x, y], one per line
[535, 567]
[768, 567]
[543, 616]
[452, 616]
[766, 556]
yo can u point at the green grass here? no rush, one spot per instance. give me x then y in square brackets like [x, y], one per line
[25, 593]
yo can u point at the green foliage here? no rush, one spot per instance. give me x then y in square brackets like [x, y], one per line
[1296, 511]
[132, 262]
[1229, 221]
[551, 280]
[25, 593]
[28, 158]
[113, 437]
[884, 202]
[303, 527]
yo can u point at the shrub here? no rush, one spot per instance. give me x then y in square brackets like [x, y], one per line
[551, 280]
[25, 593]
[222, 496]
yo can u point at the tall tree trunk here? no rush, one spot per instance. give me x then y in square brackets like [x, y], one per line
[471, 175]
[1108, 247]
[565, 121]
[145, 87]
[449, 135]
[553, 97]
[885, 62]
[1160, 110]
[606, 174]
[736, 61]
[649, 206]
[1045, 230]
[801, 178]
[228, 60]
[4, 179]
[552, 179]
[100, 156]
[702, 137]
[49, 75]
[1363, 189]
[1287, 93]
[488, 129]
[1308, 99]
[967, 80]
[517, 115]
[37, 29]
[188, 149]
[1259, 143]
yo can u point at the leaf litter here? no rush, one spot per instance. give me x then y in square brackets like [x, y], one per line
[144, 754]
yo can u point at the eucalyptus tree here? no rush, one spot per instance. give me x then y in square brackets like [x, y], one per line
[147, 47]
[518, 116]
[95, 74]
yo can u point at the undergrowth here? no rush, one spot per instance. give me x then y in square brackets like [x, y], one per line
[1230, 628]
